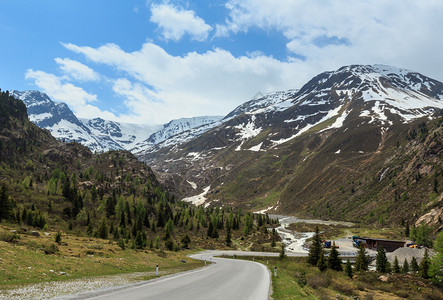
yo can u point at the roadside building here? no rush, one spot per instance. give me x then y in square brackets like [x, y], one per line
[372, 243]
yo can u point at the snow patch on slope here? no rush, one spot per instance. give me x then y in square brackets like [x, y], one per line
[338, 122]
[40, 117]
[256, 148]
[248, 130]
[199, 199]
[330, 114]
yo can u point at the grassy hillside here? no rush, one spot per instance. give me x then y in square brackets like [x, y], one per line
[30, 258]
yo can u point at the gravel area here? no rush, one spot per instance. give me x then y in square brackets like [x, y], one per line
[407, 253]
[76, 288]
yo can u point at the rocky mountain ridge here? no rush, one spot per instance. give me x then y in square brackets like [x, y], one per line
[300, 153]
[103, 135]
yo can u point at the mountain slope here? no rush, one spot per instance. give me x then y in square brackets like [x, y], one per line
[320, 151]
[57, 118]
[176, 132]
[118, 136]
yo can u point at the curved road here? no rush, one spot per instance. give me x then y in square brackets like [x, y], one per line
[225, 279]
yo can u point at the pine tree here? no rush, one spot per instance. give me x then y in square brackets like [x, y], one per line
[334, 261]
[315, 250]
[321, 264]
[116, 234]
[186, 240]
[58, 237]
[157, 242]
[381, 260]
[273, 242]
[214, 232]
[348, 269]
[153, 229]
[388, 267]
[362, 261]
[103, 229]
[405, 268]
[139, 241]
[167, 234]
[423, 235]
[437, 261]
[210, 229]
[111, 228]
[228, 235]
[169, 244]
[5, 203]
[396, 266]
[424, 265]
[414, 265]
[123, 219]
[282, 252]
[90, 229]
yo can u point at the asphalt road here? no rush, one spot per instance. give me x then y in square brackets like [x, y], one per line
[220, 279]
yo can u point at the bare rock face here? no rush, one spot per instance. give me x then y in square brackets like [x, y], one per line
[434, 217]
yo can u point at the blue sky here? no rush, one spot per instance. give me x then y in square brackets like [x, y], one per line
[152, 61]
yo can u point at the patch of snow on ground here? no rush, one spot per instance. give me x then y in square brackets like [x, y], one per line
[379, 111]
[282, 141]
[239, 146]
[338, 122]
[194, 154]
[302, 117]
[365, 113]
[199, 199]
[256, 147]
[410, 100]
[379, 114]
[330, 114]
[194, 186]
[249, 130]
[39, 117]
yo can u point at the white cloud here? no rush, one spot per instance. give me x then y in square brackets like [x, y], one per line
[175, 22]
[393, 32]
[213, 82]
[77, 70]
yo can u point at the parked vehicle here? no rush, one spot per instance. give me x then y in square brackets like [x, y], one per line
[327, 244]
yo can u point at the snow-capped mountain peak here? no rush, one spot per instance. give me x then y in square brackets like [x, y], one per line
[268, 102]
[103, 135]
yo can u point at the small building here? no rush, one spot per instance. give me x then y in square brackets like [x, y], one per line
[372, 243]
